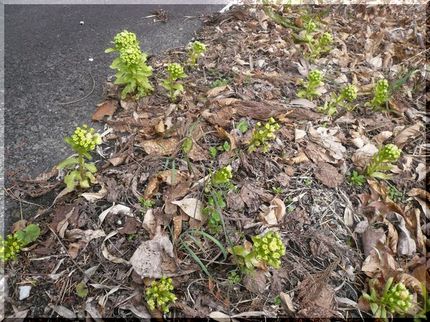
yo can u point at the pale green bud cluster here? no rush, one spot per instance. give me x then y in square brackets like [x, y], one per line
[382, 159]
[389, 153]
[349, 92]
[381, 93]
[84, 139]
[262, 134]
[175, 71]
[196, 49]
[398, 299]
[326, 40]
[159, 295]
[315, 77]
[222, 176]
[310, 26]
[269, 248]
[125, 39]
[131, 56]
[9, 248]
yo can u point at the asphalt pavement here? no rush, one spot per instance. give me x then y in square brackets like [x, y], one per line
[51, 52]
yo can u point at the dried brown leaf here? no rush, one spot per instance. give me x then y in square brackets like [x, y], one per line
[106, 108]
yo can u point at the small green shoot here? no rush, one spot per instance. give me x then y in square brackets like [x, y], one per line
[172, 83]
[344, 99]
[262, 134]
[382, 160]
[314, 80]
[83, 141]
[159, 295]
[394, 299]
[234, 277]
[195, 51]
[381, 94]
[13, 244]
[81, 290]
[242, 126]
[146, 203]
[219, 83]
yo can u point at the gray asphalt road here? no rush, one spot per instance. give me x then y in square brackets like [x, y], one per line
[49, 55]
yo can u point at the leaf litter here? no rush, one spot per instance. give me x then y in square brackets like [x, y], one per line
[336, 235]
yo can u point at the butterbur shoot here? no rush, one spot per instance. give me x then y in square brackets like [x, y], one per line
[131, 68]
[382, 160]
[82, 141]
[195, 51]
[222, 176]
[320, 46]
[262, 134]
[159, 295]
[172, 83]
[347, 95]
[314, 80]
[266, 251]
[381, 94]
[395, 298]
[269, 248]
[12, 245]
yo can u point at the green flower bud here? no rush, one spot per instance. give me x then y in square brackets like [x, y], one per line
[125, 39]
[315, 76]
[269, 248]
[326, 39]
[175, 71]
[349, 92]
[159, 295]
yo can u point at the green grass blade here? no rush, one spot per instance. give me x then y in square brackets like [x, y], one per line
[196, 259]
[214, 240]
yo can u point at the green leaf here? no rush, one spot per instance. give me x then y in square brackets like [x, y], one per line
[187, 145]
[213, 151]
[109, 50]
[70, 180]
[90, 167]
[28, 235]
[242, 126]
[226, 146]
[67, 163]
[81, 290]
[380, 175]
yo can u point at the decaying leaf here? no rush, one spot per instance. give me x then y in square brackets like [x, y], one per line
[160, 146]
[154, 258]
[407, 134]
[274, 214]
[328, 175]
[326, 138]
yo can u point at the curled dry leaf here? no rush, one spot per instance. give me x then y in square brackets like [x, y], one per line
[379, 261]
[108, 255]
[255, 282]
[274, 214]
[115, 210]
[94, 196]
[328, 175]
[160, 146]
[406, 245]
[326, 138]
[154, 258]
[408, 134]
[191, 206]
[362, 156]
[149, 222]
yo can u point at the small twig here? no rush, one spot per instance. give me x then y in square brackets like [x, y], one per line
[84, 97]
